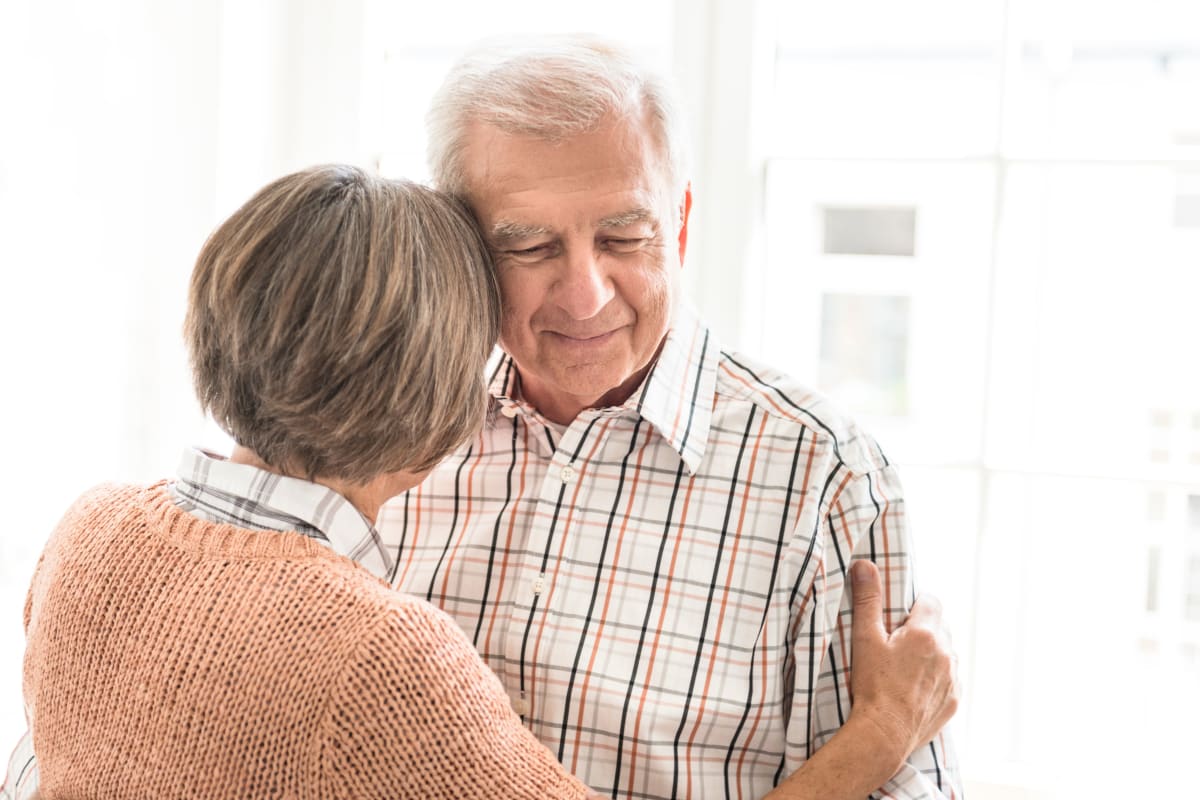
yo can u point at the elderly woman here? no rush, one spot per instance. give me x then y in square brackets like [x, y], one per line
[231, 633]
[213, 636]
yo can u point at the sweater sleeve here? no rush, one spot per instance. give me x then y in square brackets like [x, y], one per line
[417, 714]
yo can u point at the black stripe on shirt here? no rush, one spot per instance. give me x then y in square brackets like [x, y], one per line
[783, 530]
[712, 589]
[668, 528]
[453, 524]
[601, 565]
[491, 559]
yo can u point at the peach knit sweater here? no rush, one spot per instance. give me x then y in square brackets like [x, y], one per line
[169, 657]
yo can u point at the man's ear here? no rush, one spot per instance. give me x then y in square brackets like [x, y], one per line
[685, 211]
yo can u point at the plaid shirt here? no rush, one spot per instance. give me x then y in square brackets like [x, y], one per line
[661, 586]
[218, 490]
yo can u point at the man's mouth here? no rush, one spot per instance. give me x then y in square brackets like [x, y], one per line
[583, 338]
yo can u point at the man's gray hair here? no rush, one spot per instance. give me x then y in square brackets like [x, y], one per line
[553, 88]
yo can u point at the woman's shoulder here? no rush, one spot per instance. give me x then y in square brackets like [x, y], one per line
[104, 506]
[109, 497]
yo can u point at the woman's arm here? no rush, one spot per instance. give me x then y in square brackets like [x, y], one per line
[905, 691]
[419, 714]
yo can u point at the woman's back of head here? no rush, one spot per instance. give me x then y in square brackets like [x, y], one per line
[338, 324]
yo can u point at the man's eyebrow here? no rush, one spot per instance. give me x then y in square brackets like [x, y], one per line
[506, 231]
[630, 217]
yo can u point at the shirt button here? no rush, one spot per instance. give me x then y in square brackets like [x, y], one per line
[568, 474]
[539, 583]
[521, 706]
[509, 411]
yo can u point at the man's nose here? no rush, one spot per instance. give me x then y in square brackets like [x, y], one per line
[584, 288]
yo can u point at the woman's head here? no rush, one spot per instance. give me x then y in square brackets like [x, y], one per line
[338, 324]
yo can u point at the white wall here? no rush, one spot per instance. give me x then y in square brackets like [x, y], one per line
[129, 130]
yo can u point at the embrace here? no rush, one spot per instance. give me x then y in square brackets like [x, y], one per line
[610, 558]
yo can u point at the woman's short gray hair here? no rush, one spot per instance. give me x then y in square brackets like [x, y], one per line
[550, 87]
[338, 324]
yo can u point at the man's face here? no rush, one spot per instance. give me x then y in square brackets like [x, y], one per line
[588, 246]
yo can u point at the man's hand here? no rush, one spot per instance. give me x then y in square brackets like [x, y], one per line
[903, 683]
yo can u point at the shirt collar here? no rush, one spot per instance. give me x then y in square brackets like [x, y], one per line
[677, 395]
[219, 490]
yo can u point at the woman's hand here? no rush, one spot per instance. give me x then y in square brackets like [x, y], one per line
[903, 683]
[904, 691]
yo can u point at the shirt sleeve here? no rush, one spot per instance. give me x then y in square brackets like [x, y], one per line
[21, 778]
[420, 715]
[864, 518]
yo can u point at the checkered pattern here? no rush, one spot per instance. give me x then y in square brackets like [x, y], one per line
[661, 586]
[218, 490]
[21, 780]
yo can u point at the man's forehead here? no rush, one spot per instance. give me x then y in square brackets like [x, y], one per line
[496, 159]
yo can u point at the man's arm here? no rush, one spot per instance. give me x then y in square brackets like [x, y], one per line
[21, 781]
[905, 691]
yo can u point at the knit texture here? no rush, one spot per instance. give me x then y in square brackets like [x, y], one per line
[169, 657]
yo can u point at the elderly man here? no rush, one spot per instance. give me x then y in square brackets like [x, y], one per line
[650, 542]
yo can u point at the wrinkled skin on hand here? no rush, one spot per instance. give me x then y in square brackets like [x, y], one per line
[904, 682]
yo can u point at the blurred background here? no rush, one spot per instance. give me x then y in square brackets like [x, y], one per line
[974, 223]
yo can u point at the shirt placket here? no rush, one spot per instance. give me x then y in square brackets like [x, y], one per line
[532, 600]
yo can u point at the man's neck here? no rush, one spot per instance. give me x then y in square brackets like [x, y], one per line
[562, 408]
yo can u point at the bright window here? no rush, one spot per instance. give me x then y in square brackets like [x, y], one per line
[1011, 191]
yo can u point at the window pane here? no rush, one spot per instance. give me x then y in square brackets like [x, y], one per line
[1057, 629]
[869, 77]
[1104, 80]
[1050, 153]
[1156, 506]
[1152, 567]
[1191, 597]
[1193, 518]
[870, 231]
[864, 351]
[935, 380]
[1187, 211]
[1095, 319]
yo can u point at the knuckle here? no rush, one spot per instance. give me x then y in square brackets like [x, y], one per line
[923, 638]
[929, 604]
